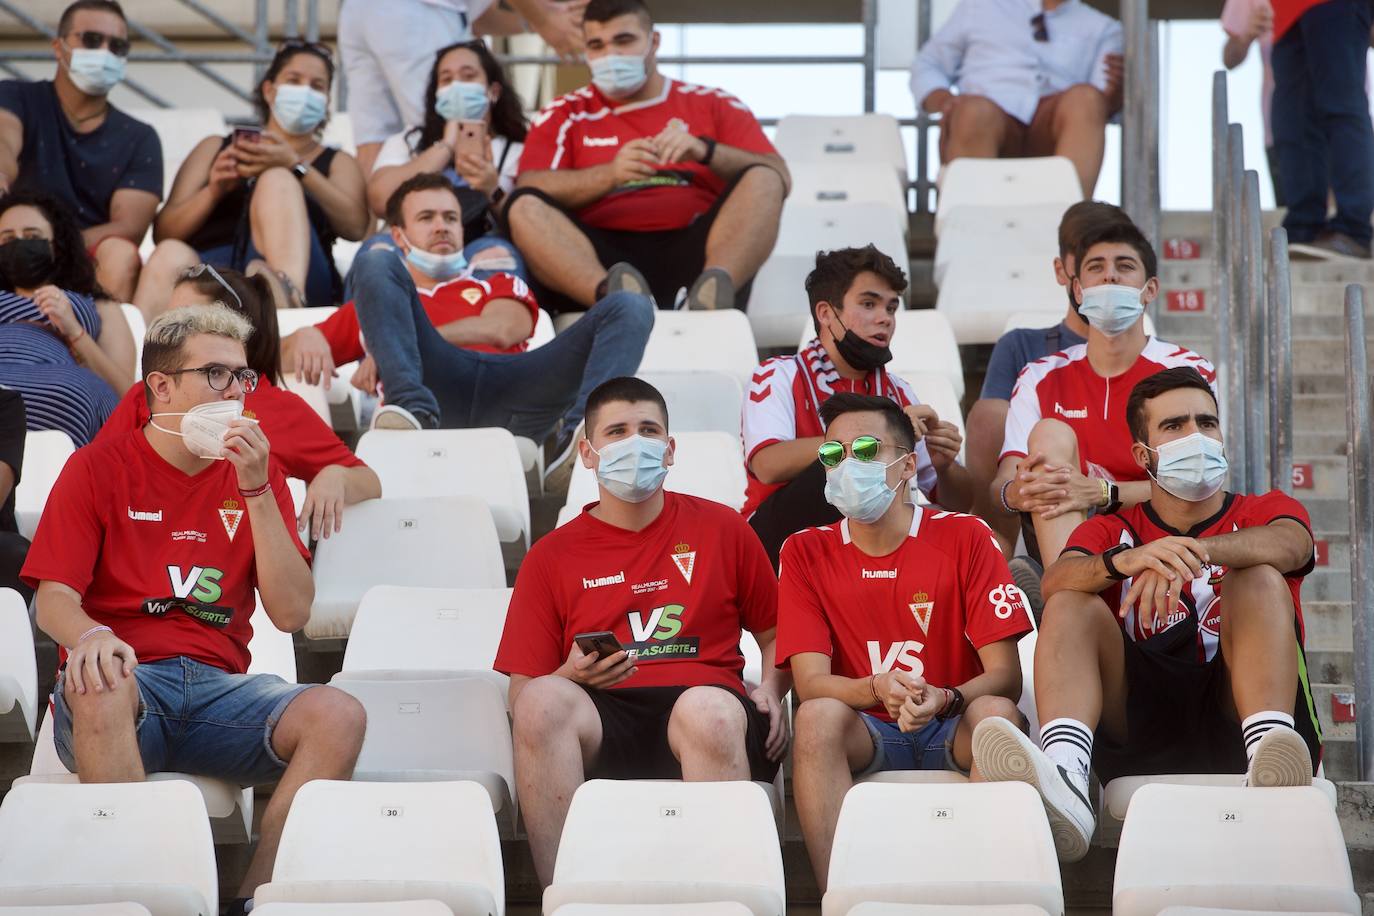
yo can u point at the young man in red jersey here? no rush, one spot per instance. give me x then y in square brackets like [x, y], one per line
[675, 179]
[899, 623]
[1137, 670]
[1067, 450]
[145, 561]
[675, 579]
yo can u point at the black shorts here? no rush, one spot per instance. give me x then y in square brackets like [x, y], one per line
[1178, 714]
[669, 259]
[634, 735]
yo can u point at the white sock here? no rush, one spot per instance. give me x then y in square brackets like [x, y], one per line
[1068, 743]
[1257, 726]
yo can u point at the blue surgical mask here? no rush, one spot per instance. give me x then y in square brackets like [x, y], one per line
[619, 76]
[299, 109]
[1110, 308]
[95, 71]
[1191, 468]
[438, 266]
[859, 489]
[632, 468]
[462, 101]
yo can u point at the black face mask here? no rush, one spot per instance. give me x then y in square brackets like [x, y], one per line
[26, 263]
[859, 353]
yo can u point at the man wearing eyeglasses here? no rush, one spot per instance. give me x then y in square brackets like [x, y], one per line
[65, 138]
[1034, 78]
[145, 562]
[899, 624]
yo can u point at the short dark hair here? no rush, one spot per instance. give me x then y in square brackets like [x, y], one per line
[898, 423]
[259, 306]
[1083, 218]
[835, 271]
[425, 181]
[1126, 233]
[98, 6]
[606, 10]
[623, 388]
[288, 50]
[1152, 386]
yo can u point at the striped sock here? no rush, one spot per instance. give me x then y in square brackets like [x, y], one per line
[1068, 743]
[1257, 726]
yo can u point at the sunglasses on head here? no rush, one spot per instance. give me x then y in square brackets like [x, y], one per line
[193, 273]
[863, 448]
[90, 40]
[300, 44]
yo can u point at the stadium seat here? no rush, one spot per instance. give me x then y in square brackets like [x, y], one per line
[291, 320]
[778, 307]
[982, 232]
[481, 463]
[699, 402]
[338, 132]
[919, 909]
[978, 296]
[138, 328]
[644, 841]
[18, 670]
[955, 850]
[431, 630]
[143, 842]
[45, 454]
[842, 143]
[933, 388]
[1003, 183]
[314, 395]
[379, 842]
[78, 909]
[924, 342]
[447, 542]
[826, 185]
[916, 777]
[1274, 850]
[1025, 647]
[543, 330]
[178, 131]
[710, 465]
[435, 729]
[1117, 794]
[723, 908]
[697, 341]
[1215, 911]
[388, 908]
[270, 651]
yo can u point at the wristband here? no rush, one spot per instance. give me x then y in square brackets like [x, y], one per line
[1006, 505]
[72, 342]
[1108, 558]
[710, 150]
[95, 629]
[955, 704]
[1106, 499]
[249, 494]
[873, 689]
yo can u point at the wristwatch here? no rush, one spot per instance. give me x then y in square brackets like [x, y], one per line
[954, 707]
[300, 169]
[1113, 500]
[710, 149]
[1109, 558]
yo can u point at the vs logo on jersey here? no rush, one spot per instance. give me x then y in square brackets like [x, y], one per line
[194, 593]
[200, 583]
[659, 638]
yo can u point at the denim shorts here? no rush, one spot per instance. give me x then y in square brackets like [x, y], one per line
[198, 720]
[931, 748]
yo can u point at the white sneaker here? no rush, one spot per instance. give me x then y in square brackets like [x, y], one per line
[1281, 759]
[390, 416]
[1003, 753]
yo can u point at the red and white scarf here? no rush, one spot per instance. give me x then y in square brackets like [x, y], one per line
[820, 379]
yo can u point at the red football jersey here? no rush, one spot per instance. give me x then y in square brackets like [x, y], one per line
[300, 441]
[1200, 598]
[926, 608]
[584, 129]
[679, 592]
[461, 297]
[163, 558]
[1064, 386]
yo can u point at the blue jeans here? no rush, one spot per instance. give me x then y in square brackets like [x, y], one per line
[930, 748]
[526, 393]
[1322, 133]
[198, 720]
[515, 264]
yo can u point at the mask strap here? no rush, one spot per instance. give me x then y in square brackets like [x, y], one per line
[153, 423]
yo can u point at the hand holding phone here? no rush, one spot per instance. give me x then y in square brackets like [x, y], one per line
[598, 661]
[472, 139]
[247, 134]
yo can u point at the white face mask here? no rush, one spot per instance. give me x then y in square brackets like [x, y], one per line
[95, 71]
[459, 101]
[299, 109]
[620, 76]
[1191, 468]
[1110, 308]
[859, 489]
[204, 426]
[632, 468]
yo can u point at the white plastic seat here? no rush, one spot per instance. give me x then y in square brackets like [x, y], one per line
[1215, 911]
[78, 909]
[697, 341]
[700, 401]
[1278, 850]
[916, 777]
[842, 142]
[480, 463]
[434, 729]
[178, 132]
[338, 132]
[146, 843]
[138, 328]
[378, 842]
[710, 465]
[45, 454]
[778, 307]
[1025, 648]
[973, 232]
[919, 909]
[955, 848]
[270, 651]
[388, 908]
[924, 342]
[1117, 794]
[643, 841]
[934, 389]
[723, 908]
[447, 542]
[18, 670]
[543, 330]
[826, 185]
[289, 321]
[1006, 183]
[978, 296]
[314, 395]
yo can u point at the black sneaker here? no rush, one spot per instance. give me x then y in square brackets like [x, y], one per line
[1330, 246]
[1027, 574]
[560, 453]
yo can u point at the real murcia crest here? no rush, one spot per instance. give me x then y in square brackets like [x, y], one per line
[685, 558]
[231, 515]
[921, 608]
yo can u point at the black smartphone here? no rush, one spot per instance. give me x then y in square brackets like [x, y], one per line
[247, 134]
[600, 644]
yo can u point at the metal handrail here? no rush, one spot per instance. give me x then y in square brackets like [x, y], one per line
[1140, 119]
[1221, 252]
[1239, 288]
[1280, 328]
[1256, 354]
[1359, 468]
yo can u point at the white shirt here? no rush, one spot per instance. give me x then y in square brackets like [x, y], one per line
[988, 48]
[396, 151]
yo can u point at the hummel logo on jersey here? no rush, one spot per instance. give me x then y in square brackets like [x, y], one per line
[1070, 414]
[145, 516]
[600, 141]
[617, 579]
[880, 573]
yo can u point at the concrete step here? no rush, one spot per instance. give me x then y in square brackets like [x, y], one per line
[1329, 584]
[1197, 273]
[1320, 352]
[1339, 758]
[1313, 413]
[1329, 481]
[1330, 666]
[1327, 618]
[1326, 514]
[1330, 380]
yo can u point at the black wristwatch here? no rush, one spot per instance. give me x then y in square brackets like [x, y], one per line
[1113, 500]
[1108, 560]
[955, 705]
[710, 149]
[300, 169]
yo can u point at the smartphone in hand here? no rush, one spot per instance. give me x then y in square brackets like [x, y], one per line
[602, 643]
[472, 139]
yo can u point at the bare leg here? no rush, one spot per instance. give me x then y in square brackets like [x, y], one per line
[1080, 665]
[116, 267]
[280, 225]
[982, 708]
[1059, 444]
[1080, 132]
[555, 249]
[977, 128]
[557, 735]
[745, 228]
[103, 739]
[987, 423]
[1258, 641]
[706, 734]
[832, 743]
[167, 263]
[319, 735]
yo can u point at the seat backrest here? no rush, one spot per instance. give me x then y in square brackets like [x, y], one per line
[271, 651]
[842, 141]
[1224, 847]
[138, 327]
[79, 909]
[1006, 183]
[956, 848]
[388, 908]
[709, 465]
[145, 842]
[684, 340]
[543, 330]
[178, 132]
[45, 454]
[291, 320]
[807, 228]
[400, 628]
[424, 832]
[482, 463]
[933, 388]
[17, 661]
[923, 342]
[700, 401]
[313, 395]
[815, 183]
